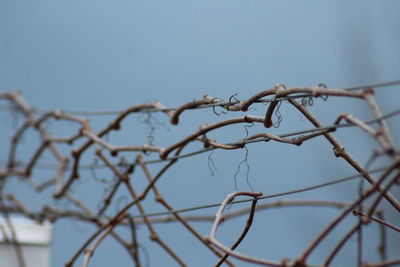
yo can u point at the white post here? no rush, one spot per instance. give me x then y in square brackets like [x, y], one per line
[33, 243]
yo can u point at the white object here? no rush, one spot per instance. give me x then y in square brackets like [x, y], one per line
[34, 240]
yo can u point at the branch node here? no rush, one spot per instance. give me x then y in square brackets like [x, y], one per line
[339, 151]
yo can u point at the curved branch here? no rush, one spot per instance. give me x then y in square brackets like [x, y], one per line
[192, 104]
[246, 119]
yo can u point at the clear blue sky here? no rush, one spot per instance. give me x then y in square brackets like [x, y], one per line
[109, 55]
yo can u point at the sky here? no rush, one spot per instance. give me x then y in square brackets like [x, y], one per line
[109, 55]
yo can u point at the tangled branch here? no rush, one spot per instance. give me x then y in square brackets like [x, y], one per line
[69, 166]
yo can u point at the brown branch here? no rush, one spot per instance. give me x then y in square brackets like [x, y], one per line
[192, 104]
[378, 135]
[341, 244]
[14, 241]
[161, 200]
[244, 233]
[106, 225]
[302, 259]
[369, 98]
[246, 119]
[367, 218]
[114, 149]
[394, 262]
[341, 152]
[218, 218]
[153, 234]
[114, 125]
[281, 91]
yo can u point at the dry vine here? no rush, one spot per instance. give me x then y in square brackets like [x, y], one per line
[69, 168]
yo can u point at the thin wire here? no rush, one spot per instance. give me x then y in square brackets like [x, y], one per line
[377, 85]
[256, 140]
[222, 103]
[285, 193]
[265, 139]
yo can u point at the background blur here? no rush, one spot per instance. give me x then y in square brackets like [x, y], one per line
[108, 55]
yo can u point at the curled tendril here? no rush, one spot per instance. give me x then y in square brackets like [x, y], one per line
[94, 175]
[304, 102]
[307, 101]
[211, 165]
[323, 97]
[278, 115]
[310, 101]
[148, 120]
[230, 103]
[215, 101]
[244, 161]
[246, 128]
[216, 113]
[152, 124]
